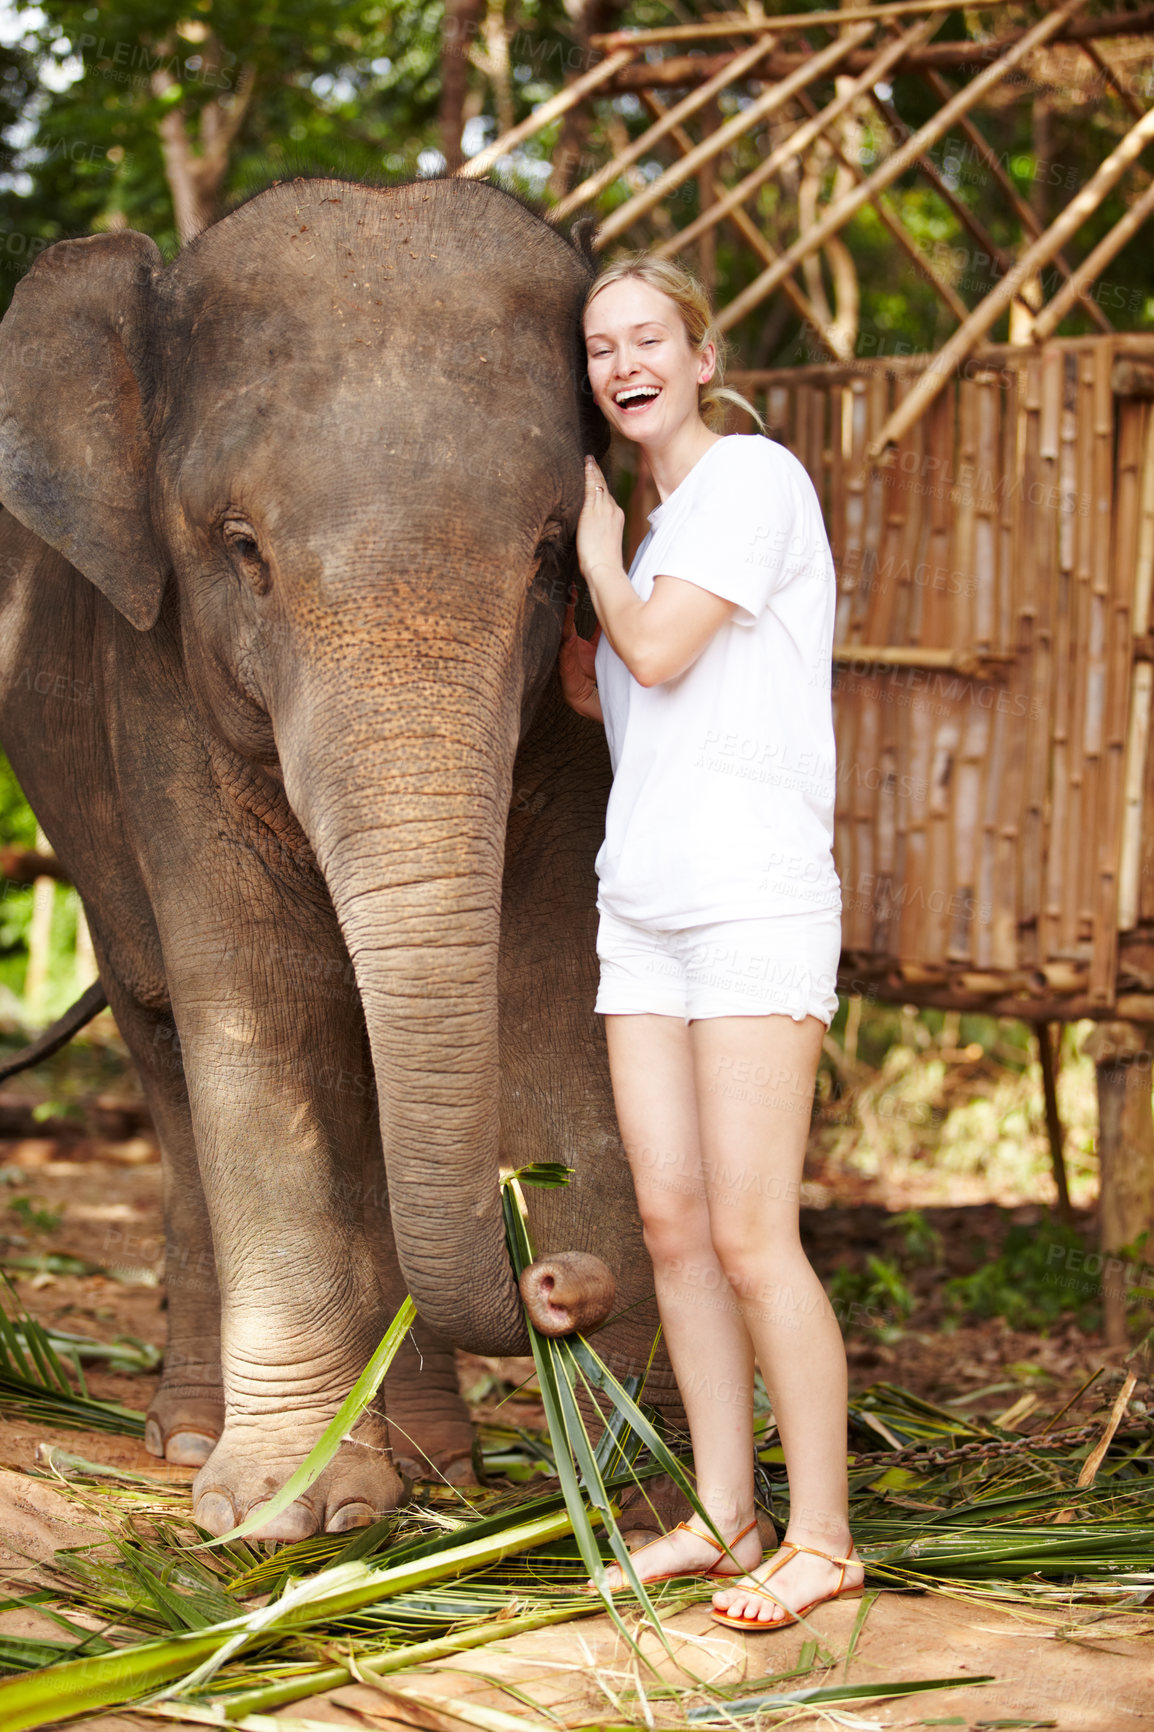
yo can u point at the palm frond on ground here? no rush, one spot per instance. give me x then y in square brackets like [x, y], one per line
[222, 1631]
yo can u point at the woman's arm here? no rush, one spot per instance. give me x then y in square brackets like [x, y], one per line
[575, 664]
[656, 639]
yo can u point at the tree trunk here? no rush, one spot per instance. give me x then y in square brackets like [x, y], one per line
[459, 32]
[590, 18]
[195, 177]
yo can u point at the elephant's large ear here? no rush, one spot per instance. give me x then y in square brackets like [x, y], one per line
[74, 443]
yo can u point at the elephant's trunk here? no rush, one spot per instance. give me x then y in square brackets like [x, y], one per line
[409, 834]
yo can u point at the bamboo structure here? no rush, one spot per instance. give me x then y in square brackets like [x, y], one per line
[990, 506]
[765, 97]
[993, 672]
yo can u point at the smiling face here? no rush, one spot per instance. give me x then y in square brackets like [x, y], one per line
[643, 369]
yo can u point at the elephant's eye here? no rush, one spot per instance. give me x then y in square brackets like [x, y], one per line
[241, 540]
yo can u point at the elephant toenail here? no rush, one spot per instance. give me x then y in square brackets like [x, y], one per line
[153, 1438]
[190, 1448]
[214, 1512]
[354, 1514]
[298, 1522]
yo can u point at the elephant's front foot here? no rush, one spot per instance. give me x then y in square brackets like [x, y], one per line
[255, 1457]
[186, 1415]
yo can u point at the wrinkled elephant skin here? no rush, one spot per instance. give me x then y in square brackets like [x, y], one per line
[288, 528]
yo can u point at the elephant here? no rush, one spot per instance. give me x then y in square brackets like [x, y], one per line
[290, 522]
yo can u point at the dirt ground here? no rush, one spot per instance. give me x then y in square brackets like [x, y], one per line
[99, 1200]
[1027, 1671]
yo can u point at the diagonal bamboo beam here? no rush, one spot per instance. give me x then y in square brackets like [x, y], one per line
[1097, 58]
[596, 183]
[934, 380]
[816, 67]
[1091, 267]
[729, 202]
[998, 255]
[753, 237]
[741, 23]
[1026, 213]
[957, 54]
[547, 111]
[899, 230]
[799, 140]
[895, 165]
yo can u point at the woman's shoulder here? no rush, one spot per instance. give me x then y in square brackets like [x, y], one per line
[753, 456]
[748, 463]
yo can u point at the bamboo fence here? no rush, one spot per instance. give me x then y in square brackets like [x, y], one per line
[990, 507]
[994, 658]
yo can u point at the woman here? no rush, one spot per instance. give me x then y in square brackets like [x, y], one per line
[720, 924]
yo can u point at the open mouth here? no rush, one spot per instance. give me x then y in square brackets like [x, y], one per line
[636, 397]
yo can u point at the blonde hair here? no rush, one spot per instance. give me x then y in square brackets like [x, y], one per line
[692, 303]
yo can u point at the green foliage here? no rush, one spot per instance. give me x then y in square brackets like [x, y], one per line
[1033, 1281]
[35, 1385]
[921, 1243]
[33, 1218]
[876, 1299]
[17, 823]
[353, 88]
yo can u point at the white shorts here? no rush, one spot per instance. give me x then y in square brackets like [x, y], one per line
[784, 965]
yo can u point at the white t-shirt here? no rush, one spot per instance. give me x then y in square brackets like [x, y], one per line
[724, 778]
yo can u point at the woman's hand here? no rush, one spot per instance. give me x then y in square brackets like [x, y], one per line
[601, 524]
[575, 664]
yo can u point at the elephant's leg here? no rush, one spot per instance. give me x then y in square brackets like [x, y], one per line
[186, 1415]
[273, 1057]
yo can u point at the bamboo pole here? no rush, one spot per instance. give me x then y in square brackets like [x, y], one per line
[956, 56]
[1144, 564]
[797, 141]
[1094, 54]
[898, 229]
[986, 314]
[816, 67]
[1112, 243]
[972, 663]
[742, 24]
[1026, 213]
[1133, 421]
[752, 236]
[39, 940]
[548, 111]
[895, 165]
[596, 183]
[950, 199]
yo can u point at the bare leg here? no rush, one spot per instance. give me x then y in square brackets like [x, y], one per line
[717, 1162]
[651, 1063]
[754, 1089]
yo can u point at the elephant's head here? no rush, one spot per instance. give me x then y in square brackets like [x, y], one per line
[341, 437]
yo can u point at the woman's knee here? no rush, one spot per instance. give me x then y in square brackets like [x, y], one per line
[672, 1238]
[750, 1257]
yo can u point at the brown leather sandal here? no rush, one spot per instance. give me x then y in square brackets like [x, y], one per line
[787, 1553]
